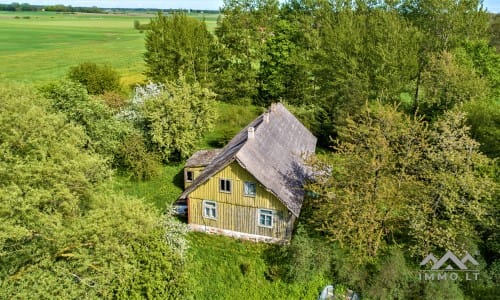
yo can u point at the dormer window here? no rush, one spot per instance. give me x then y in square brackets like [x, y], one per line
[189, 176]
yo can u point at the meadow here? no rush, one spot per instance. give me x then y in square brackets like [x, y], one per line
[37, 47]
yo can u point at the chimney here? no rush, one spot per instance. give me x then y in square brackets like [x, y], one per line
[251, 133]
[266, 117]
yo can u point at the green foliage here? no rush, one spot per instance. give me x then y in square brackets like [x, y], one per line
[105, 132]
[384, 162]
[446, 84]
[175, 120]
[484, 119]
[283, 72]
[486, 62]
[177, 45]
[134, 157]
[114, 100]
[300, 261]
[241, 34]
[357, 61]
[455, 192]
[97, 79]
[139, 26]
[494, 31]
[62, 234]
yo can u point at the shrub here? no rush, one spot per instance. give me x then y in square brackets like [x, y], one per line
[104, 131]
[97, 79]
[300, 261]
[134, 157]
[114, 100]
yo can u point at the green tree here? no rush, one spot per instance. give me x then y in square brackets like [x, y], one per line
[445, 25]
[104, 132]
[177, 45]
[364, 54]
[242, 30]
[97, 79]
[454, 189]
[62, 233]
[484, 119]
[176, 118]
[283, 72]
[395, 181]
[445, 83]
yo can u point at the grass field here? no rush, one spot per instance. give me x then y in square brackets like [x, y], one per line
[40, 46]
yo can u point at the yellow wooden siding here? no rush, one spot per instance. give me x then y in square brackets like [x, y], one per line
[241, 219]
[234, 172]
[238, 212]
[196, 172]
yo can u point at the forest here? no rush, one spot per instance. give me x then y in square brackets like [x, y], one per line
[403, 96]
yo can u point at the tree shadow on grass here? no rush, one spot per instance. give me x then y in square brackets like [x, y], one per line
[178, 179]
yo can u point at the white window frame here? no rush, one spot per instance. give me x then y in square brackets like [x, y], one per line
[225, 185]
[245, 189]
[192, 176]
[266, 213]
[212, 205]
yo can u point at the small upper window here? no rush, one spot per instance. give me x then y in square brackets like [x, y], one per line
[189, 176]
[249, 188]
[265, 218]
[225, 185]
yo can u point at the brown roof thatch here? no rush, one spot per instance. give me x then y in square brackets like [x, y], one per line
[274, 156]
[202, 158]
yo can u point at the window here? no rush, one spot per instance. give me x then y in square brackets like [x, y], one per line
[265, 218]
[225, 185]
[189, 176]
[249, 189]
[209, 209]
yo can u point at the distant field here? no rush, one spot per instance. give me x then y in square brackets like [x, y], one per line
[40, 46]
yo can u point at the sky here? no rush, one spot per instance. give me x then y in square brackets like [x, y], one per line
[491, 5]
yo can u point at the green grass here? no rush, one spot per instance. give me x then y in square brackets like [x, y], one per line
[231, 119]
[43, 47]
[160, 191]
[225, 268]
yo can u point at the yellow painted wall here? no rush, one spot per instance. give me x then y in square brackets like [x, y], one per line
[235, 211]
[196, 172]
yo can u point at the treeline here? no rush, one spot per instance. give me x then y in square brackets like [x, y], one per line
[404, 97]
[14, 6]
[333, 56]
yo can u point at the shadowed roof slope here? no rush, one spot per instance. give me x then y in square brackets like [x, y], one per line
[202, 158]
[273, 156]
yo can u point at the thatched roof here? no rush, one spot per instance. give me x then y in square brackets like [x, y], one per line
[274, 156]
[202, 158]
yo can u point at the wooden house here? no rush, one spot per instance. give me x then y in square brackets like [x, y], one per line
[251, 188]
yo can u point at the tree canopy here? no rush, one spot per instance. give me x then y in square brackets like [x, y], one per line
[63, 233]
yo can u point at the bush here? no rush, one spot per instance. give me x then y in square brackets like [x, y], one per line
[105, 132]
[97, 79]
[300, 261]
[135, 158]
[114, 100]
